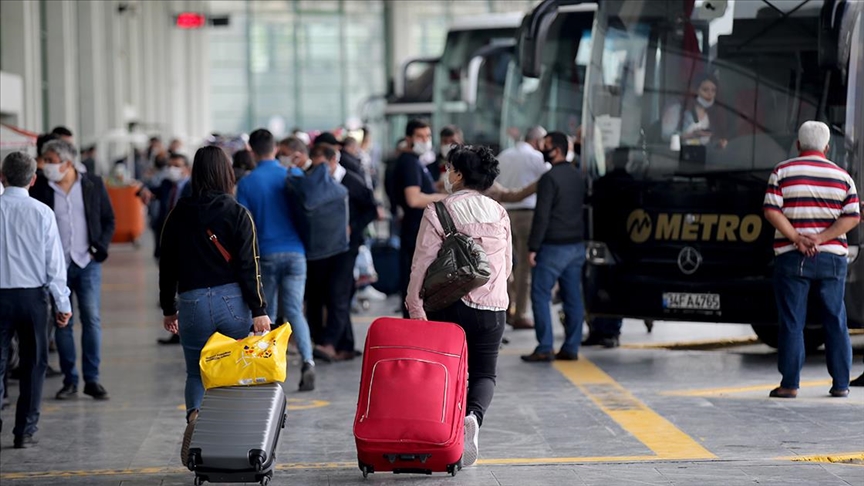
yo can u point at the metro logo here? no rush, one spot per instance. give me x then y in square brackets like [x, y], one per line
[639, 226]
[693, 227]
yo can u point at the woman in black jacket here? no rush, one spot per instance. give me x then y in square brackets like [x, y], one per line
[209, 256]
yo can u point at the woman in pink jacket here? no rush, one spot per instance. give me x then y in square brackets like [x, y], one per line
[482, 313]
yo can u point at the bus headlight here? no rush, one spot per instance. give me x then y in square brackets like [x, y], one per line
[853, 254]
[597, 253]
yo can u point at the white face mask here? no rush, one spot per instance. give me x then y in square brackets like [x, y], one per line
[704, 103]
[174, 174]
[445, 151]
[421, 148]
[448, 186]
[285, 161]
[53, 173]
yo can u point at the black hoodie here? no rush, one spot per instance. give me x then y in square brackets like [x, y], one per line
[191, 260]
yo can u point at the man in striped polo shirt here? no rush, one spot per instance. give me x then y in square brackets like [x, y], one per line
[813, 204]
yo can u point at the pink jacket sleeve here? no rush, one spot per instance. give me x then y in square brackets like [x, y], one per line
[429, 241]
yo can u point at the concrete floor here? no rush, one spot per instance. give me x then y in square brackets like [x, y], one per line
[639, 414]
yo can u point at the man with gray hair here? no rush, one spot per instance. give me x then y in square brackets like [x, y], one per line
[812, 203]
[521, 166]
[33, 267]
[85, 221]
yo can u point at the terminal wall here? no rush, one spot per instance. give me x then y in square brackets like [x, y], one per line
[97, 66]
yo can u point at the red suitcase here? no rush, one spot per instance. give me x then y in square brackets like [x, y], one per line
[411, 409]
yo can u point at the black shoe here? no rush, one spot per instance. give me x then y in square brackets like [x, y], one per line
[857, 381]
[322, 355]
[24, 441]
[50, 372]
[566, 356]
[593, 339]
[307, 377]
[96, 391]
[174, 339]
[837, 393]
[67, 392]
[610, 342]
[536, 357]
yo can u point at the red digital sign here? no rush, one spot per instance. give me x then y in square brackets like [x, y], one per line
[190, 20]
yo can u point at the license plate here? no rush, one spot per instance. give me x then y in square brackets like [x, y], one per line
[682, 300]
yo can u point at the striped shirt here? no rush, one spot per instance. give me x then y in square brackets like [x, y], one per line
[813, 193]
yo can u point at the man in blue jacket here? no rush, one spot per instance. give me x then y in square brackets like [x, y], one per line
[283, 258]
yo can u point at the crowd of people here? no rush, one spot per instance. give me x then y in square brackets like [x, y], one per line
[233, 248]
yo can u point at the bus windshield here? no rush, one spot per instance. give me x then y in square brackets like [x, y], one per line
[554, 100]
[676, 88]
[469, 82]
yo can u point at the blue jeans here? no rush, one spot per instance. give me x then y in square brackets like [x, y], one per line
[285, 274]
[202, 312]
[561, 263]
[794, 275]
[86, 284]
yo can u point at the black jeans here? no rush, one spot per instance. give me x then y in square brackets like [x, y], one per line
[25, 312]
[330, 284]
[484, 330]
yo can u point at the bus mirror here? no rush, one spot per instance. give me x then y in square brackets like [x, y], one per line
[827, 40]
[532, 37]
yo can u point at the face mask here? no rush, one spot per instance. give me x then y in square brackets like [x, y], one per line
[704, 103]
[53, 173]
[448, 186]
[421, 148]
[174, 174]
[571, 156]
[445, 151]
[285, 161]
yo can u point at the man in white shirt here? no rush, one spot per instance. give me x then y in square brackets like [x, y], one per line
[32, 266]
[521, 166]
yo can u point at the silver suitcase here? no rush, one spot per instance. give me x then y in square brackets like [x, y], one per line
[236, 434]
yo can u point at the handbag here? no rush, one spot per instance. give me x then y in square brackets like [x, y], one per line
[460, 267]
[254, 360]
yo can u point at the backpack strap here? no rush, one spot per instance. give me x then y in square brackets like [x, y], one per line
[445, 219]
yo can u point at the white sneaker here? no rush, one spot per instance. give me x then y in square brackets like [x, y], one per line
[370, 293]
[472, 436]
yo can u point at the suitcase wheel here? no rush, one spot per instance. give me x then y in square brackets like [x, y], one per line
[452, 469]
[264, 481]
[199, 480]
[366, 469]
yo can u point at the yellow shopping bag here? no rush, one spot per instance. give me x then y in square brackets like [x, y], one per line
[254, 360]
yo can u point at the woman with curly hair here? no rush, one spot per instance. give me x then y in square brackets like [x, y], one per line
[482, 312]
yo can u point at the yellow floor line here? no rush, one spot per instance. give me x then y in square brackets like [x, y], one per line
[700, 343]
[856, 458]
[654, 431]
[535, 461]
[711, 392]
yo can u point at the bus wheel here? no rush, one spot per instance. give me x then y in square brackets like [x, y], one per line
[813, 336]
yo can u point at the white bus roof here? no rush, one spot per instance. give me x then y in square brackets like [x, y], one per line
[488, 21]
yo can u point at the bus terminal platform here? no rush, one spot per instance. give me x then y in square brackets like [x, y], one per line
[686, 404]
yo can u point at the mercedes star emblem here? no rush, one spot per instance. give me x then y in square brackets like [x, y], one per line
[689, 260]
